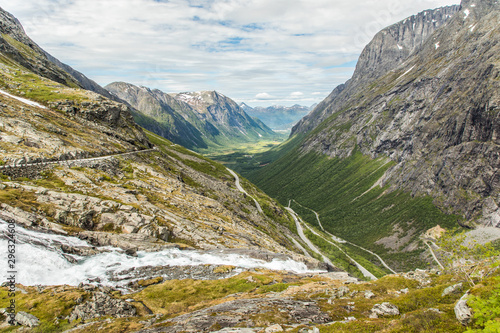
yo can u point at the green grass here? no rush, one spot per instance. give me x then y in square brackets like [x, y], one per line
[174, 296]
[339, 190]
[247, 161]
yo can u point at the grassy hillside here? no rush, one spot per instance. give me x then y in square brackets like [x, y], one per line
[351, 206]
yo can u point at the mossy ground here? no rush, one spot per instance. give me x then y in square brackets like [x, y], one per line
[422, 307]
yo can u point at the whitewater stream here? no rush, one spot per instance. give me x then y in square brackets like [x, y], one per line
[40, 261]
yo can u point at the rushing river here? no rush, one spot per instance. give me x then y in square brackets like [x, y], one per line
[39, 260]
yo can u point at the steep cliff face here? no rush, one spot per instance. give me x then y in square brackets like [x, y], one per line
[436, 115]
[196, 120]
[388, 49]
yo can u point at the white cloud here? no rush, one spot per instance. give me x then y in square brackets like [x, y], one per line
[238, 47]
[297, 94]
[264, 96]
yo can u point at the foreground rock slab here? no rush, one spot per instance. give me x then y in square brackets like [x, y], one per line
[245, 312]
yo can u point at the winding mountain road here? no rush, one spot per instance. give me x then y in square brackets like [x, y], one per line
[242, 190]
[433, 254]
[340, 240]
[363, 270]
[304, 238]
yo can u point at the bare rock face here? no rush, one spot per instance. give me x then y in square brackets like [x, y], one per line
[239, 312]
[452, 289]
[102, 305]
[388, 49]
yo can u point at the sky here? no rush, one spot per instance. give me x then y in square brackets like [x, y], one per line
[261, 52]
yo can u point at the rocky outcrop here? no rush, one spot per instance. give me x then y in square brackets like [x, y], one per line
[452, 289]
[26, 319]
[100, 305]
[117, 117]
[240, 312]
[383, 310]
[463, 312]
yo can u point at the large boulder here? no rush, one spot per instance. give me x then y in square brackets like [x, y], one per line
[26, 319]
[384, 309]
[463, 312]
[103, 305]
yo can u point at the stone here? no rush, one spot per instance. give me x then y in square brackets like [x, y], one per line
[452, 289]
[237, 330]
[274, 328]
[369, 294]
[384, 309]
[26, 319]
[103, 305]
[341, 292]
[463, 312]
[242, 311]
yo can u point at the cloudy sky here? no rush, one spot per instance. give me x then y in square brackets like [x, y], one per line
[261, 52]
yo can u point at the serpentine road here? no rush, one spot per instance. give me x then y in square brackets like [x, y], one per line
[304, 238]
[242, 190]
[433, 254]
[340, 240]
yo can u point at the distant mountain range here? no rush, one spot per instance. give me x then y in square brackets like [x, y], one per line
[278, 117]
[196, 120]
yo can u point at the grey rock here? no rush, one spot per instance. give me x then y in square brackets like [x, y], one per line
[273, 329]
[103, 305]
[341, 292]
[388, 49]
[26, 319]
[369, 294]
[452, 289]
[463, 312]
[384, 309]
[239, 313]
[238, 330]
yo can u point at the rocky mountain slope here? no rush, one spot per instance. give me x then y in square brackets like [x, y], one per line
[384, 150]
[278, 117]
[262, 301]
[74, 161]
[16, 45]
[388, 49]
[196, 120]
